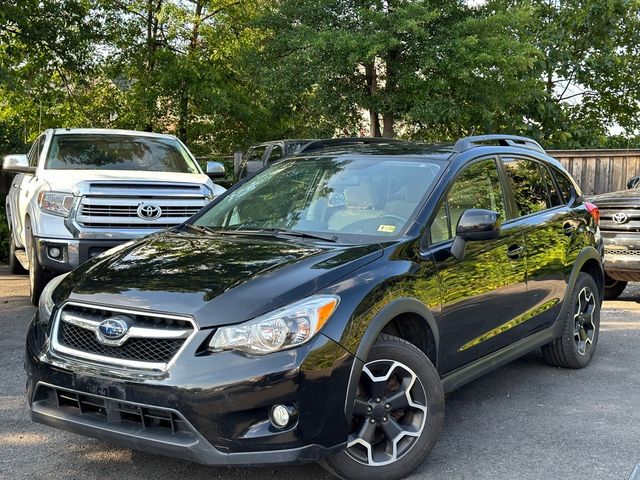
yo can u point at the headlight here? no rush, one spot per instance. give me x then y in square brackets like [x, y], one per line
[286, 327]
[45, 305]
[55, 203]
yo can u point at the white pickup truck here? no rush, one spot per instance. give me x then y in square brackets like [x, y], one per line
[80, 192]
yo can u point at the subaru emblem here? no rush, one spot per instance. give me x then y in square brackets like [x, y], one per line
[114, 328]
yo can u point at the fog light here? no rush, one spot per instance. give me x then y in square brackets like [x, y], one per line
[283, 415]
[55, 252]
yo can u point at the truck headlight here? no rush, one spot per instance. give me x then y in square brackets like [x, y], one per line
[45, 304]
[56, 203]
[286, 327]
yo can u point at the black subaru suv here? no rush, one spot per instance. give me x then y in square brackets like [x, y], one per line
[321, 309]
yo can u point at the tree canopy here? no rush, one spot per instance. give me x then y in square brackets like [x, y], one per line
[222, 74]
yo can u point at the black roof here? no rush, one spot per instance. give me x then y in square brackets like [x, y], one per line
[393, 147]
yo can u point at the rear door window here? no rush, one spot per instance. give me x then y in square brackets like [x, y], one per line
[529, 185]
[555, 199]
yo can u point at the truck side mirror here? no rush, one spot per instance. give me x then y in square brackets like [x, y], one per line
[215, 170]
[17, 163]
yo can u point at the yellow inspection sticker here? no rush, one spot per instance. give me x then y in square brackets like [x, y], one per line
[387, 228]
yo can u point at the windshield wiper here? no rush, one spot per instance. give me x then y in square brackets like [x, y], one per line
[201, 229]
[275, 232]
[267, 232]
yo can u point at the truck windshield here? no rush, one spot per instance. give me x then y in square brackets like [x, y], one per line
[118, 152]
[358, 198]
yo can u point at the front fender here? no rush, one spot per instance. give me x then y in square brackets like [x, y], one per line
[372, 297]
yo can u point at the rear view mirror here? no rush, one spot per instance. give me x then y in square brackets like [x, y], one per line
[475, 224]
[17, 163]
[215, 170]
[634, 182]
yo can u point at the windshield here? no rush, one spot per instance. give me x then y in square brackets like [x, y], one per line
[342, 197]
[118, 152]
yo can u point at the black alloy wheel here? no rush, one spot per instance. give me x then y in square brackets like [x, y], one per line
[397, 414]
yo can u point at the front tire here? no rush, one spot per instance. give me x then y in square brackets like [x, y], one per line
[15, 267]
[38, 276]
[397, 415]
[576, 346]
[613, 288]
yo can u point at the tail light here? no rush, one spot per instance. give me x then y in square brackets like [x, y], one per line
[593, 211]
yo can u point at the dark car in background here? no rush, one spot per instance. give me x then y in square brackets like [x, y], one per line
[321, 309]
[263, 154]
[620, 226]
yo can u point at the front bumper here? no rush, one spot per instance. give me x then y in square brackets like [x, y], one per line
[622, 256]
[73, 252]
[219, 401]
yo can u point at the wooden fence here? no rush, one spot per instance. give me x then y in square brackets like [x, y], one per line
[600, 171]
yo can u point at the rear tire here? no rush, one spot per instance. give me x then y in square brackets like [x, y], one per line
[613, 288]
[576, 346]
[397, 417]
[15, 267]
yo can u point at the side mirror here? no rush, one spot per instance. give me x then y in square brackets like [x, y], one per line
[17, 163]
[475, 224]
[633, 182]
[215, 170]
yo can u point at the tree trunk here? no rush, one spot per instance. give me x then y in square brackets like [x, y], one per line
[372, 87]
[183, 119]
[387, 119]
[153, 9]
[390, 87]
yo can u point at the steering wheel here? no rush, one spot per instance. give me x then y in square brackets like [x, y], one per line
[393, 216]
[369, 225]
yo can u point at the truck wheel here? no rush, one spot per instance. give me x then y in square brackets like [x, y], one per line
[613, 288]
[38, 276]
[397, 415]
[575, 348]
[15, 267]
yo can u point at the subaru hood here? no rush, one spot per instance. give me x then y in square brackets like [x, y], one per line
[216, 279]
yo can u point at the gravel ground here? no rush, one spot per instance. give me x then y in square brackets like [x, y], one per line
[526, 420]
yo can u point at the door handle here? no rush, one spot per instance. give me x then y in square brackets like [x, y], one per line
[568, 229]
[514, 251]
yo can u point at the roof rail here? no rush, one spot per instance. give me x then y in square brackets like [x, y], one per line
[344, 141]
[467, 143]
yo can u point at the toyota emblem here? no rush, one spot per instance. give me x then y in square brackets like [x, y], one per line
[148, 211]
[620, 217]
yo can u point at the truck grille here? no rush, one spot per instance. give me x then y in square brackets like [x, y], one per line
[122, 205]
[630, 219]
[620, 251]
[150, 342]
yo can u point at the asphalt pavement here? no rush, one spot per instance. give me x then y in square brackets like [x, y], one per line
[526, 420]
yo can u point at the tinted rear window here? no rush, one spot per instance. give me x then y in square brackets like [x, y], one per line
[118, 152]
